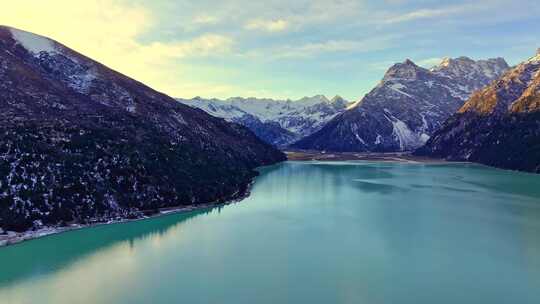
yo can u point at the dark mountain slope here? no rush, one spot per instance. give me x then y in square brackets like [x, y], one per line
[80, 142]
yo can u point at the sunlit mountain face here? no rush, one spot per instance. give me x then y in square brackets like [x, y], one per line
[499, 125]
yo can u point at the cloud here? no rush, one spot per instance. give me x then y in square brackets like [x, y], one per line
[267, 25]
[333, 46]
[206, 45]
[428, 13]
[273, 15]
[109, 31]
[205, 19]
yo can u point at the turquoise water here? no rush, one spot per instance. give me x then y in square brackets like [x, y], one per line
[312, 232]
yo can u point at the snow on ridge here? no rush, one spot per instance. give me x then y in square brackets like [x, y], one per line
[33, 43]
[535, 58]
[397, 88]
[295, 116]
[353, 105]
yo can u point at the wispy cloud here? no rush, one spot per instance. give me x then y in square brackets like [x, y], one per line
[205, 19]
[428, 13]
[205, 45]
[267, 25]
[332, 46]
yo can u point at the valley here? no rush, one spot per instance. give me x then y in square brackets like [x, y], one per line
[269, 152]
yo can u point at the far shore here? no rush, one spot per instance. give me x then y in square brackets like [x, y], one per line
[403, 157]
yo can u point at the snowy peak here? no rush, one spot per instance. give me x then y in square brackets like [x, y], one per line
[71, 68]
[313, 100]
[469, 69]
[452, 63]
[515, 91]
[407, 70]
[409, 62]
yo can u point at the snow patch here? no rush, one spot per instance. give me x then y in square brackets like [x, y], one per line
[424, 138]
[33, 43]
[82, 82]
[131, 108]
[359, 138]
[397, 88]
[406, 137]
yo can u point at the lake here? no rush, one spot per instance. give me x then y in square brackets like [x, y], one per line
[311, 232]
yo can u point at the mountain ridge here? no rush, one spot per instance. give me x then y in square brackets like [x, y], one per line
[405, 108]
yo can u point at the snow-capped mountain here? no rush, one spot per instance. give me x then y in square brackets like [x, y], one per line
[499, 125]
[80, 142]
[406, 107]
[278, 122]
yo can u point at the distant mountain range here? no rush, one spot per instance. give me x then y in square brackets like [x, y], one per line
[279, 122]
[81, 143]
[405, 108]
[499, 125]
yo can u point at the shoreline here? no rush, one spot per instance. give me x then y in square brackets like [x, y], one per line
[10, 238]
[400, 157]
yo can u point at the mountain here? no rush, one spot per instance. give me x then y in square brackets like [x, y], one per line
[279, 122]
[499, 125]
[405, 108]
[81, 143]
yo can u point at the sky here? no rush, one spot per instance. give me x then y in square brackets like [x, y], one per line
[278, 48]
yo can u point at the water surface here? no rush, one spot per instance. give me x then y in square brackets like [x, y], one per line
[311, 232]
